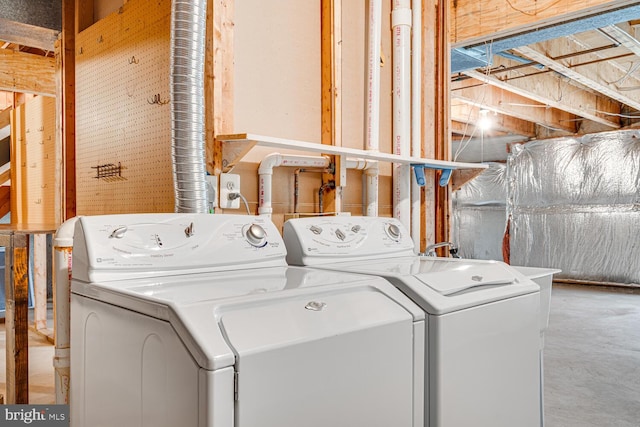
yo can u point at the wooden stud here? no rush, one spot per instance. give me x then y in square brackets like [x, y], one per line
[428, 114]
[67, 105]
[442, 118]
[18, 135]
[58, 149]
[331, 87]
[219, 80]
[40, 281]
[84, 15]
[16, 319]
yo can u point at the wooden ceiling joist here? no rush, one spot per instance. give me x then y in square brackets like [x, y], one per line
[501, 101]
[553, 92]
[27, 73]
[475, 21]
[590, 76]
[466, 114]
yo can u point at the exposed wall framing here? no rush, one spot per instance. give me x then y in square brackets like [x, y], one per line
[34, 162]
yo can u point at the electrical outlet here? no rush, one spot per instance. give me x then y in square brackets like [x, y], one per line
[229, 183]
[212, 192]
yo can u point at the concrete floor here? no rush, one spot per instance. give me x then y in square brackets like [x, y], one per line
[592, 359]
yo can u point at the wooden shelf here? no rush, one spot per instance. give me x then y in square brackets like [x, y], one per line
[236, 146]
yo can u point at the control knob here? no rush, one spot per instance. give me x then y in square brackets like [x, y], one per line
[256, 235]
[393, 231]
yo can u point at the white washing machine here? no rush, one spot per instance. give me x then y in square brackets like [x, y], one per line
[482, 359]
[196, 320]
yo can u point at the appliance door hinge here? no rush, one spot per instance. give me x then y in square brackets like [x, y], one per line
[235, 386]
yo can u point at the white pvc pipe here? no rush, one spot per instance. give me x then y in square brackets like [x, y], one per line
[371, 192]
[401, 28]
[265, 174]
[416, 119]
[372, 104]
[63, 245]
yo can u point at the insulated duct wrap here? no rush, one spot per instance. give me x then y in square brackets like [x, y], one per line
[575, 205]
[479, 214]
[188, 29]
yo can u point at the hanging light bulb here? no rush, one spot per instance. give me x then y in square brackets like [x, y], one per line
[484, 121]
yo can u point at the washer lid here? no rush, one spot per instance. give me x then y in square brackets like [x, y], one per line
[465, 276]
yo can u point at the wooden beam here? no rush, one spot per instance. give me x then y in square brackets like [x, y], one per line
[26, 72]
[40, 282]
[84, 15]
[589, 76]
[219, 83]
[442, 119]
[503, 102]
[475, 21]
[465, 115]
[460, 177]
[18, 136]
[66, 104]
[27, 35]
[331, 88]
[16, 317]
[429, 90]
[551, 91]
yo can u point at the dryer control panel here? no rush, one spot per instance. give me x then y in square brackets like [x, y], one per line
[321, 240]
[148, 245]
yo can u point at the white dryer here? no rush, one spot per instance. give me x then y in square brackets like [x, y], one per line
[195, 320]
[482, 360]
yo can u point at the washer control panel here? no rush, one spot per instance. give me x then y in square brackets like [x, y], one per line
[351, 236]
[152, 243]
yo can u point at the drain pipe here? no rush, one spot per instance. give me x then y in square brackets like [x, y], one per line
[401, 28]
[188, 29]
[63, 246]
[372, 104]
[416, 113]
[265, 174]
[370, 183]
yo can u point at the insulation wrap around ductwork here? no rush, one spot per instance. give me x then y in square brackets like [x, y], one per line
[188, 30]
[575, 205]
[479, 214]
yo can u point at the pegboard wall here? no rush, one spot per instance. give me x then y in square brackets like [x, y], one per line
[123, 113]
[36, 161]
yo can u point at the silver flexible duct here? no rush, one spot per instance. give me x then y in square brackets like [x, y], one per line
[188, 29]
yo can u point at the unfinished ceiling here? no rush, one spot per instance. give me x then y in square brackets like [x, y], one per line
[575, 77]
[578, 76]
